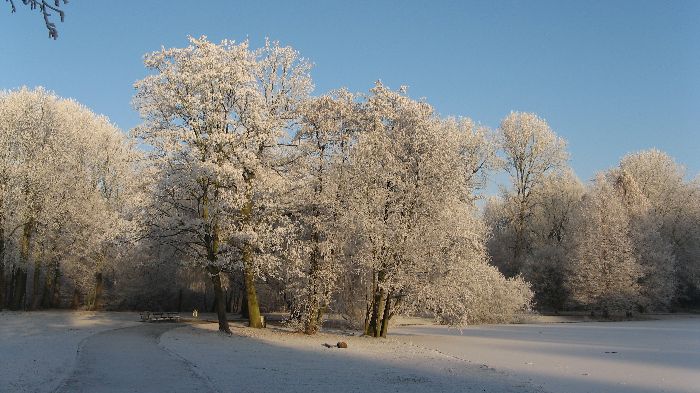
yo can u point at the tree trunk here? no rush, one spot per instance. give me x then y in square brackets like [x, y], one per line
[20, 284]
[220, 305]
[230, 296]
[244, 303]
[75, 302]
[215, 275]
[11, 287]
[3, 285]
[369, 300]
[215, 302]
[312, 315]
[179, 300]
[204, 299]
[251, 294]
[99, 287]
[56, 295]
[19, 287]
[386, 316]
[519, 248]
[368, 315]
[48, 288]
[248, 273]
[377, 305]
[315, 309]
[36, 280]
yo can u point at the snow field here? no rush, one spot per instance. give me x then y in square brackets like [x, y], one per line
[38, 349]
[278, 360]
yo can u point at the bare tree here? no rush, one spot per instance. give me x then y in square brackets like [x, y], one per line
[45, 9]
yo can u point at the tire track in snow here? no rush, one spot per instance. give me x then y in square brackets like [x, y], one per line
[131, 360]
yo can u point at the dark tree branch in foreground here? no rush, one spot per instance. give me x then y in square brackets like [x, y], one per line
[45, 8]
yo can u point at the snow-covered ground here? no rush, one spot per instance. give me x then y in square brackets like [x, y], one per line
[38, 349]
[274, 360]
[636, 356]
[38, 353]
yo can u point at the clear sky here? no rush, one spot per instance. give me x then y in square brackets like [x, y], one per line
[611, 77]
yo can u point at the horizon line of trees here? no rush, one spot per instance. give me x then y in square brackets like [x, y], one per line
[242, 192]
[627, 242]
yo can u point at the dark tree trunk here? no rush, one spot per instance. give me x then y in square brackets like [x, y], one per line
[215, 302]
[368, 315]
[179, 300]
[56, 293]
[19, 287]
[204, 299]
[10, 292]
[97, 303]
[369, 301]
[215, 275]
[386, 316]
[75, 302]
[519, 247]
[229, 300]
[20, 279]
[377, 306]
[237, 290]
[36, 283]
[3, 285]
[46, 298]
[244, 304]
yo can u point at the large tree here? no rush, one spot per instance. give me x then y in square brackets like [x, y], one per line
[326, 135]
[551, 238]
[668, 205]
[531, 151]
[410, 209]
[604, 274]
[216, 116]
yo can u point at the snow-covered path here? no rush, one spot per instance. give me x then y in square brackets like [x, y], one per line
[38, 348]
[130, 360]
[640, 356]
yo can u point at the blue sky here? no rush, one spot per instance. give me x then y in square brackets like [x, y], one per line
[611, 77]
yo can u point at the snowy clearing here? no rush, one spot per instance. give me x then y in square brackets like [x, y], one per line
[636, 356]
[38, 349]
[275, 360]
[39, 353]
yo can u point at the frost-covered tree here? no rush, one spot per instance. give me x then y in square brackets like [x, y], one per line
[66, 184]
[31, 126]
[652, 251]
[410, 209]
[531, 151]
[215, 116]
[326, 135]
[671, 209]
[604, 274]
[551, 239]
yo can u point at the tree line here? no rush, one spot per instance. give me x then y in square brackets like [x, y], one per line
[627, 242]
[241, 185]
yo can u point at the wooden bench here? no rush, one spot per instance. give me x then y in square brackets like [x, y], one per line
[148, 316]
